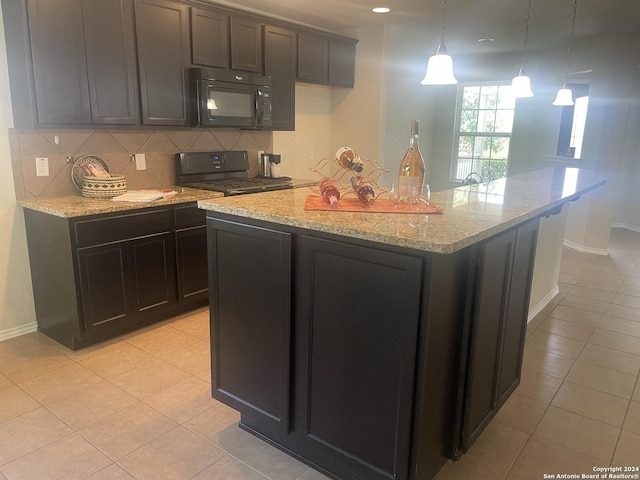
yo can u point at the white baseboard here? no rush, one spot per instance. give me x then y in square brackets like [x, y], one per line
[583, 249]
[542, 303]
[17, 331]
[626, 226]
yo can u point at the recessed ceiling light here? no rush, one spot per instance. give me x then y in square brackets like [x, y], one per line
[381, 10]
[486, 40]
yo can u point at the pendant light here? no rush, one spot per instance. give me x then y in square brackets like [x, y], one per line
[440, 66]
[565, 96]
[521, 84]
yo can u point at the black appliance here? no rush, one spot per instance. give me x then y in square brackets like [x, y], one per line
[225, 172]
[227, 98]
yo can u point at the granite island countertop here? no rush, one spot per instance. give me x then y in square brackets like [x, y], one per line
[471, 213]
[77, 206]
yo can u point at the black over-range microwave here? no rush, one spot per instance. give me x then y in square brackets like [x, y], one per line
[228, 98]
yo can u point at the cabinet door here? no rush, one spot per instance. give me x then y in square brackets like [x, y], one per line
[59, 62]
[104, 287]
[209, 38]
[313, 58]
[153, 274]
[108, 29]
[356, 306]
[342, 57]
[280, 64]
[246, 45]
[486, 335]
[162, 32]
[250, 297]
[515, 327]
[191, 253]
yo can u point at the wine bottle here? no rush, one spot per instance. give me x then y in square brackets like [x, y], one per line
[349, 160]
[363, 190]
[412, 168]
[329, 191]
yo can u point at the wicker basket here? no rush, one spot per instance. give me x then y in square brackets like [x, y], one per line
[100, 187]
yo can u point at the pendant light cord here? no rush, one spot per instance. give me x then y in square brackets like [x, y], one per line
[572, 34]
[443, 20]
[526, 36]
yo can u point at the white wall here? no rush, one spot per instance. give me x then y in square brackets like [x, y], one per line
[17, 314]
[544, 285]
[328, 118]
[357, 114]
[313, 131]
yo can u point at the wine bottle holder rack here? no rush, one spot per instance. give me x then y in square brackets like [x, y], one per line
[331, 168]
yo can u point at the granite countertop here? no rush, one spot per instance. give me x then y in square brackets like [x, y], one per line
[471, 213]
[77, 206]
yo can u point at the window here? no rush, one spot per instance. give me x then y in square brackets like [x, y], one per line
[485, 120]
[572, 122]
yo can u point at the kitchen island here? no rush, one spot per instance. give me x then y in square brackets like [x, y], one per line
[375, 346]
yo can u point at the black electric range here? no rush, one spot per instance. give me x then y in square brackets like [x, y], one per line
[225, 172]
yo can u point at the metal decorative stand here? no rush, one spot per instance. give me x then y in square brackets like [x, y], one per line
[346, 168]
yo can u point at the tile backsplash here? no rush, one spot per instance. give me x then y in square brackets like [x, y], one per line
[116, 148]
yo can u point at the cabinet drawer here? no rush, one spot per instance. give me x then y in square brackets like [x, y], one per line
[121, 226]
[189, 216]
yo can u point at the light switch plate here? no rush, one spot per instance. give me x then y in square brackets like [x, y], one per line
[42, 167]
[141, 162]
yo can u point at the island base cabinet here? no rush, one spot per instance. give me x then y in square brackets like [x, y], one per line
[250, 297]
[357, 319]
[498, 326]
[363, 360]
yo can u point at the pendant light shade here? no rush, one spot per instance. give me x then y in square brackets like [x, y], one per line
[521, 84]
[440, 66]
[565, 97]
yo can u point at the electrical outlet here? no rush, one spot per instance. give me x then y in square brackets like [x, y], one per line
[42, 167]
[311, 153]
[141, 161]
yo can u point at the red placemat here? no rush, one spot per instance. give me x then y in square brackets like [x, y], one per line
[381, 205]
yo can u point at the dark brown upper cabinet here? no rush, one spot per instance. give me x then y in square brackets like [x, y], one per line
[280, 65]
[326, 60]
[162, 30]
[111, 61]
[342, 58]
[209, 38]
[83, 62]
[313, 58]
[246, 44]
[59, 62]
[75, 63]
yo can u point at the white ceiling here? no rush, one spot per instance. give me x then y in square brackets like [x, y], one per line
[467, 20]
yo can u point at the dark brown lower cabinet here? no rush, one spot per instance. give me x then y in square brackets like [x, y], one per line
[365, 361]
[356, 329]
[250, 278]
[498, 326]
[98, 276]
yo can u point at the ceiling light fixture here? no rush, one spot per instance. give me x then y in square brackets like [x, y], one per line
[565, 96]
[381, 10]
[440, 66]
[521, 84]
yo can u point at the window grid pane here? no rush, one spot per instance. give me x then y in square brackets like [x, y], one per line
[486, 119]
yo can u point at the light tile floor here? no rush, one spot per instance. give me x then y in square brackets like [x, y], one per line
[139, 407]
